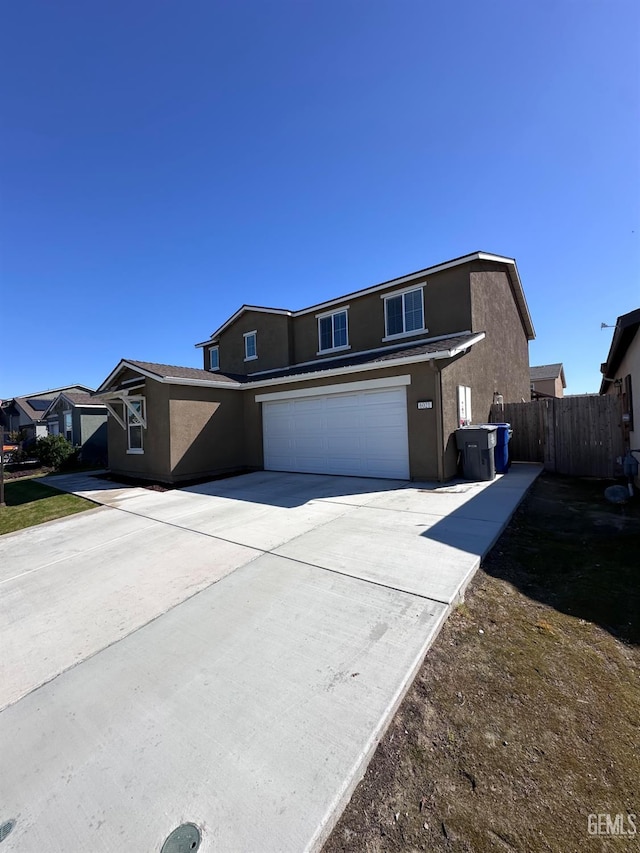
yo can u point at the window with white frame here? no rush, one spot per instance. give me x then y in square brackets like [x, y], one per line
[68, 425]
[404, 313]
[214, 358]
[333, 331]
[250, 346]
[135, 417]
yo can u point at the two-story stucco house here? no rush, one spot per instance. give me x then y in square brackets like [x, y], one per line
[372, 383]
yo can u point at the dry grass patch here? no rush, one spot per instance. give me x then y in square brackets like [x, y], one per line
[525, 717]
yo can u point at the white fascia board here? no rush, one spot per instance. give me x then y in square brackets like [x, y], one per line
[137, 369]
[207, 383]
[341, 388]
[397, 282]
[457, 350]
[234, 317]
[359, 368]
[72, 404]
[105, 384]
[366, 352]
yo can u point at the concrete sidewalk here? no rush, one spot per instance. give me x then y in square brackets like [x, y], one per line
[227, 654]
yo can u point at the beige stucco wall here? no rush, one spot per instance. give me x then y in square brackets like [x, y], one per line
[446, 309]
[154, 463]
[498, 364]
[207, 434]
[273, 346]
[282, 340]
[553, 387]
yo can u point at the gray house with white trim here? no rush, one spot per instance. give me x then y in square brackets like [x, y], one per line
[82, 420]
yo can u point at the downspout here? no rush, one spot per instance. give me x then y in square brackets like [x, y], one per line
[438, 413]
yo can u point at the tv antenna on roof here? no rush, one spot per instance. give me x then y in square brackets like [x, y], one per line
[607, 326]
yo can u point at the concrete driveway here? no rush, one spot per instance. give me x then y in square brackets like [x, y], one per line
[227, 654]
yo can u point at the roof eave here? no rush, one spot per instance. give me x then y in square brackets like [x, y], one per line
[625, 331]
[372, 365]
[514, 275]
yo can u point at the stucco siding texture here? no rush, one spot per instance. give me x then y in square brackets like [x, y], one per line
[93, 435]
[154, 463]
[272, 343]
[553, 387]
[422, 424]
[497, 364]
[447, 310]
[207, 434]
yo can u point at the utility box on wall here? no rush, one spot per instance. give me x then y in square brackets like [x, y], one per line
[464, 405]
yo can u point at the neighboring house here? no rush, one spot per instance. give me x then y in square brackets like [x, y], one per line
[372, 383]
[547, 380]
[621, 372]
[27, 413]
[82, 420]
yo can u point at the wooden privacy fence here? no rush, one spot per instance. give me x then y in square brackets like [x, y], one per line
[579, 436]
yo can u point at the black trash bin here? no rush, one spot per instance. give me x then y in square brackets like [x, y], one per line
[477, 444]
[501, 452]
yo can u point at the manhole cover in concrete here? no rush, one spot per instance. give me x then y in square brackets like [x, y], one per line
[5, 828]
[184, 839]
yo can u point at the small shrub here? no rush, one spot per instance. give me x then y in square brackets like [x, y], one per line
[52, 450]
[71, 461]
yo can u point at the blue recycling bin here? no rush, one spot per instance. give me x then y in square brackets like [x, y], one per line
[503, 438]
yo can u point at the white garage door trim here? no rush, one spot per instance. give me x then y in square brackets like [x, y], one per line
[362, 433]
[340, 388]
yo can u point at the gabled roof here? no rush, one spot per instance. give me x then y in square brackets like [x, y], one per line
[625, 331]
[243, 310]
[547, 371]
[396, 282]
[74, 399]
[438, 349]
[169, 373]
[35, 405]
[425, 350]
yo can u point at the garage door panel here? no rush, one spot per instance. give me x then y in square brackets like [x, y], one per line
[358, 434]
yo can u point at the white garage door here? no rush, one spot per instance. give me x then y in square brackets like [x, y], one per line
[359, 434]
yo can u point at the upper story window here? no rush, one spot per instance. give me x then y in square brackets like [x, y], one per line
[333, 331]
[250, 346]
[214, 359]
[404, 313]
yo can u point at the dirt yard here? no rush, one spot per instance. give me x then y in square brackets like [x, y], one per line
[525, 717]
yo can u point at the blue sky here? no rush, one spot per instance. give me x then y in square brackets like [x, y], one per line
[164, 162]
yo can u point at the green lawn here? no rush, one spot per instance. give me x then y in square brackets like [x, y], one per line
[29, 502]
